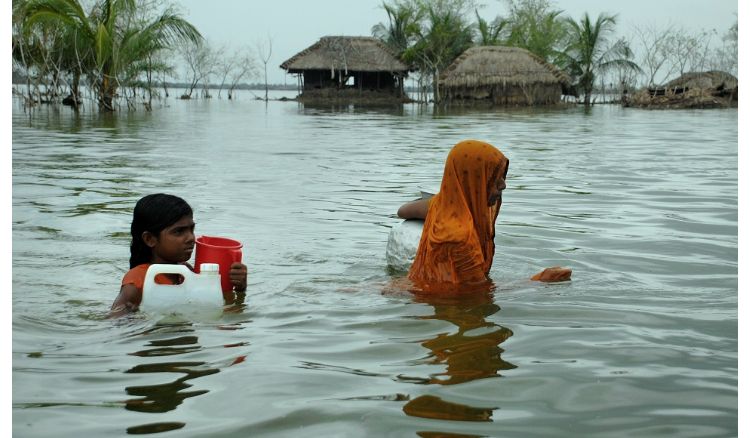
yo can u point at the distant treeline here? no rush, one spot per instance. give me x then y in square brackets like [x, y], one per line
[129, 52]
[20, 79]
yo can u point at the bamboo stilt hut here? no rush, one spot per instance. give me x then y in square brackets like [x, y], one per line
[348, 68]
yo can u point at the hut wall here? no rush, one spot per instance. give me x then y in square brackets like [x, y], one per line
[512, 95]
[319, 79]
[376, 81]
[371, 81]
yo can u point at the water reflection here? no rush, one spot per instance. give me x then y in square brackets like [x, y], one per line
[430, 406]
[488, 111]
[424, 434]
[155, 428]
[472, 352]
[55, 118]
[165, 397]
[335, 108]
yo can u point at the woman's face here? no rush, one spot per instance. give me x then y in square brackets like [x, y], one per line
[495, 194]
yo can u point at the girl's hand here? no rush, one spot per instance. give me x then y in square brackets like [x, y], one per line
[238, 275]
[553, 274]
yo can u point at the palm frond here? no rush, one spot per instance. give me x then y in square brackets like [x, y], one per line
[102, 45]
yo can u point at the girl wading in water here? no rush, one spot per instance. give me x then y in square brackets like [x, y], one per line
[162, 231]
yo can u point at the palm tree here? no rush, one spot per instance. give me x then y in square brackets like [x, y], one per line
[402, 28]
[115, 41]
[445, 35]
[490, 34]
[427, 34]
[589, 53]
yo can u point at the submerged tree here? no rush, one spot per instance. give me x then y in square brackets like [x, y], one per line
[108, 44]
[589, 52]
[727, 55]
[264, 55]
[200, 64]
[654, 49]
[244, 68]
[43, 53]
[683, 50]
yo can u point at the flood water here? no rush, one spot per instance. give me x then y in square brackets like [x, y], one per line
[641, 204]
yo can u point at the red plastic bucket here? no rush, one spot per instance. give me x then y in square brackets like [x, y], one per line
[218, 250]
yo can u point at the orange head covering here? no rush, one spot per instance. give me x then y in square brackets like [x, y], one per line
[458, 238]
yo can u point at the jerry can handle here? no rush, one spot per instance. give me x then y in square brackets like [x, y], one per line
[157, 269]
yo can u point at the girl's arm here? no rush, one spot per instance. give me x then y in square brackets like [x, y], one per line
[127, 301]
[415, 209]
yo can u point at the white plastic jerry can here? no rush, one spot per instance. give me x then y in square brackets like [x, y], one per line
[403, 242]
[201, 289]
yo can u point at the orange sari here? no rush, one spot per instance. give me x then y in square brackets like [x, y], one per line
[458, 238]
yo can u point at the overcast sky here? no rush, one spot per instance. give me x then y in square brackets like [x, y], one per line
[294, 25]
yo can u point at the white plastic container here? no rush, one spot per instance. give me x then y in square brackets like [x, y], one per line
[197, 290]
[403, 241]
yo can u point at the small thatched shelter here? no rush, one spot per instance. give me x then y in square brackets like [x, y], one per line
[339, 67]
[503, 76]
[709, 80]
[711, 89]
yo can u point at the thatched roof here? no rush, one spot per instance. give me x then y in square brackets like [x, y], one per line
[493, 65]
[704, 80]
[345, 53]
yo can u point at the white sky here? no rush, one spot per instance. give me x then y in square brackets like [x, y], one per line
[293, 25]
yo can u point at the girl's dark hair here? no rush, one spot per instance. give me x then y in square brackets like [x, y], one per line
[153, 213]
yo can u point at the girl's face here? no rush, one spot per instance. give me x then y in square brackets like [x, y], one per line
[175, 243]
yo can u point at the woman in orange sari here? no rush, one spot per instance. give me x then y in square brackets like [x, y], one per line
[458, 239]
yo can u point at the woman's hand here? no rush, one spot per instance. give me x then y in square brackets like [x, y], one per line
[238, 276]
[553, 274]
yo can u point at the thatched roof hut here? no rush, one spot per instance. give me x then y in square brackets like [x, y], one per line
[711, 89]
[503, 76]
[347, 66]
[713, 80]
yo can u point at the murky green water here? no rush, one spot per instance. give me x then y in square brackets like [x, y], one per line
[641, 204]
